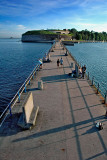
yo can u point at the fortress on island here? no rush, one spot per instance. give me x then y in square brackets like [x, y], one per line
[46, 35]
[69, 35]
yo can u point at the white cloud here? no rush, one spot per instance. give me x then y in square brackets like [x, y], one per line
[12, 30]
[90, 26]
[43, 14]
[35, 7]
[21, 27]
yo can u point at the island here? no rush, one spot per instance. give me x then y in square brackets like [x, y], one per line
[67, 36]
[46, 35]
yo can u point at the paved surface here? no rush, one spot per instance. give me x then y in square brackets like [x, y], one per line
[65, 127]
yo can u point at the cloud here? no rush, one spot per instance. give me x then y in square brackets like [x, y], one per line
[21, 16]
[90, 26]
[34, 7]
[12, 8]
[21, 27]
[12, 30]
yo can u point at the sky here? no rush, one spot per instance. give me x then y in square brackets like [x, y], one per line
[19, 16]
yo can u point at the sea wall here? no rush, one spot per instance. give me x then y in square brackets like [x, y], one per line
[68, 43]
[32, 38]
[37, 38]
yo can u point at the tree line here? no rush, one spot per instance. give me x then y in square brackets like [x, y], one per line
[87, 35]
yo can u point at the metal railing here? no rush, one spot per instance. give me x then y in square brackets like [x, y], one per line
[94, 81]
[16, 98]
[99, 88]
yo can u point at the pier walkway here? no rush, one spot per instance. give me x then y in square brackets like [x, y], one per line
[65, 127]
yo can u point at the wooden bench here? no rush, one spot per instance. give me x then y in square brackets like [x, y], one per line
[29, 113]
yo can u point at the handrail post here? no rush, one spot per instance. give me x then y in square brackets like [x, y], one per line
[25, 88]
[92, 80]
[29, 81]
[33, 76]
[19, 96]
[97, 88]
[10, 110]
[105, 97]
[35, 72]
[88, 76]
[38, 67]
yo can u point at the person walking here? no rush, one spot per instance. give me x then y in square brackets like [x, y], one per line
[83, 71]
[58, 63]
[61, 61]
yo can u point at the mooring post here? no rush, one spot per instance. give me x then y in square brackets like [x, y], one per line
[92, 80]
[97, 88]
[10, 110]
[19, 96]
[25, 88]
[33, 76]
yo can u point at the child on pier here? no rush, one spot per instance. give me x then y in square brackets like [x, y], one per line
[61, 61]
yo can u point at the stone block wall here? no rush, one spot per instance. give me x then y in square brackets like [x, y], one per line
[48, 37]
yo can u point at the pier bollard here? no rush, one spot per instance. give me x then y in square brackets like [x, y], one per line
[10, 110]
[66, 54]
[40, 85]
[25, 88]
[97, 88]
[33, 76]
[48, 56]
[19, 97]
[71, 65]
[92, 80]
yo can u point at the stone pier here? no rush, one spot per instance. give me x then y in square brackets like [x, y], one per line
[65, 128]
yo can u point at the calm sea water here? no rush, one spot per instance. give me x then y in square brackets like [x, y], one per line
[17, 60]
[94, 56]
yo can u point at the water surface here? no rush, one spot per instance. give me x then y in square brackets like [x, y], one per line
[17, 60]
[94, 56]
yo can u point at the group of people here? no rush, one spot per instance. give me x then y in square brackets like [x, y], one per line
[59, 62]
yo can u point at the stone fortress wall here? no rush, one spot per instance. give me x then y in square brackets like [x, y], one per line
[48, 37]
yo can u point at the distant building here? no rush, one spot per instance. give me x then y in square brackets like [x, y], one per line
[64, 31]
[43, 36]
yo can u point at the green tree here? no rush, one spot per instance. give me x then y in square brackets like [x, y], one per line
[73, 31]
[78, 36]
